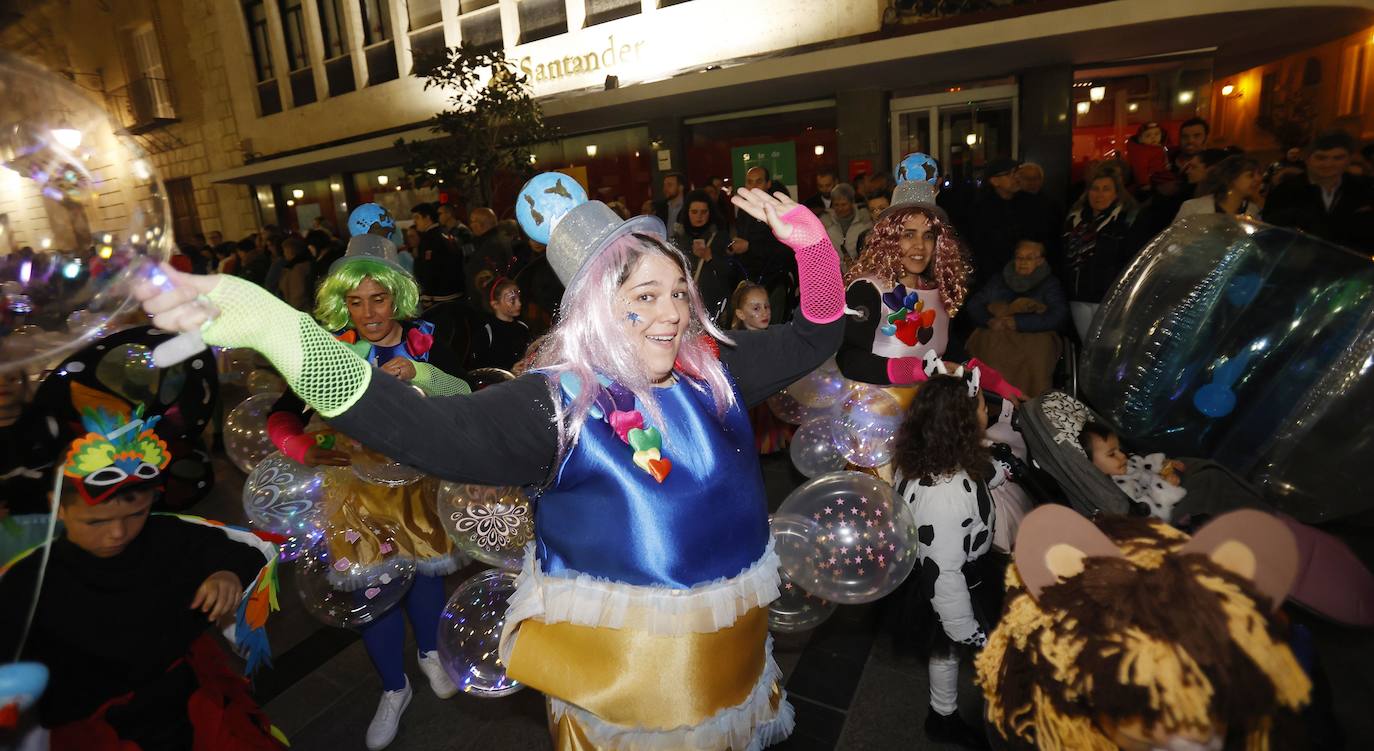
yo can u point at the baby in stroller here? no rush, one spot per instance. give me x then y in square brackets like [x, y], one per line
[1151, 481]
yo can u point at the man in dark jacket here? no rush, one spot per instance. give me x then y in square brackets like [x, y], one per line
[1000, 216]
[670, 208]
[765, 259]
[439, 262]
[1326, 201]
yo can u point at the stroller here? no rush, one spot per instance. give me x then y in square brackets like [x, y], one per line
[1332, 580]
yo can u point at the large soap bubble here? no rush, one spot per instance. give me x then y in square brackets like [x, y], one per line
[1250, 345]
[284, 497]
[845, 537]
[245, 431]
[92, 214]
[470, 634]
[490, 524]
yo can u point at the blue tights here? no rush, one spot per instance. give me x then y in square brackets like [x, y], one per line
[385, 637]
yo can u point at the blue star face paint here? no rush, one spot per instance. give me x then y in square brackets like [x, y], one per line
[633, 318]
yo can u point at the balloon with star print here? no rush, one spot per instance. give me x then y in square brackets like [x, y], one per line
[845, 537]
[795, 610]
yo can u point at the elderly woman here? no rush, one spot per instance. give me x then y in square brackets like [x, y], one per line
[652, 555]
[845, 222]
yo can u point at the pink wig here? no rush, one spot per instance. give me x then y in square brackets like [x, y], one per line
[882, 257]
[590, 340]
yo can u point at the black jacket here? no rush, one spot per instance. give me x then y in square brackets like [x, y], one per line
[439, 264]
[995, 226]
[1096, 249]
[1297, 203]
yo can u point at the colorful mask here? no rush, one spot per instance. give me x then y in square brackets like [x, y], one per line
[117, 452]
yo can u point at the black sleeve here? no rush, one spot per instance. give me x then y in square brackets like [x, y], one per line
[501, 435]
[765, 362]
[289, 402]
[856, 359]
[16, 592]
[209, 549]
[443, 357]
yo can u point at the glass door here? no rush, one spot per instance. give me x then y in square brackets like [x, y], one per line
[963, 129]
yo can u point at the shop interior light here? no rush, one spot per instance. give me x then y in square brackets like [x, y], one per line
[398, 187]
[591, 149]
[1083, 107]
[971, 139]
[335, 187]
[1228, 90]
[141, 169]
[1133, 107]
[298, 194]
[1097, 93]
[290, 202]
[820, 150]
[1185, 97]
[45, 243]
[432, 171]
[532, 158]
[382, 179]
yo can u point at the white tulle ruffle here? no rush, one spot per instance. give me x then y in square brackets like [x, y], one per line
[585, 600]
[749, 726]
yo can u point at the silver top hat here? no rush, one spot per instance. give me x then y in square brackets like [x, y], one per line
[586, 230]
[370, 248]
[913, 194]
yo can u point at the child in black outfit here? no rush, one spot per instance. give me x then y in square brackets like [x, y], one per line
[502, 338]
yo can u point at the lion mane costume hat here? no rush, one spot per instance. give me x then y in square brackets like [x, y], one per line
[1128, 633]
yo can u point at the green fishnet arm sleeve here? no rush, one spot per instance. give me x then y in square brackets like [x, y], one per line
[435, 382]
[318, 367]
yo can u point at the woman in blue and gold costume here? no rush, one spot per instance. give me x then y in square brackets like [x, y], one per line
[642, 608]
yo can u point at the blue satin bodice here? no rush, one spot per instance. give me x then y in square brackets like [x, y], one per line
[606, 517]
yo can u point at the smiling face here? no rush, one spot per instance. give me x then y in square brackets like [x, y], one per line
[371, 310]
[105, 529]
[917, 244]
[754, 311]
[656, 312]
[1102, 194]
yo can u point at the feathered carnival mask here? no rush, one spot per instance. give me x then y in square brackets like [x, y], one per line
[1128, 633]
[118, 452]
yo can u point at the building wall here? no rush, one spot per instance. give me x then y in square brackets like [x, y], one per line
[1343, 97]
[93, 54]
[653, 44]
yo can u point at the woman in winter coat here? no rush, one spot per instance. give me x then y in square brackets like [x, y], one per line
[1098, 243]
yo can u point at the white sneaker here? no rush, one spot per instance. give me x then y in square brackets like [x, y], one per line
[382, 731]
[438, 677]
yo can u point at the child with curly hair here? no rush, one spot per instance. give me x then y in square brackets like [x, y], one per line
[944, 470]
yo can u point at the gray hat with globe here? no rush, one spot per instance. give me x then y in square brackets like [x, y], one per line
[369, 248]
[553, 210]
[916, 174]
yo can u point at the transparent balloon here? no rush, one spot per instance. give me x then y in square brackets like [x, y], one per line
[845, 537]
[812, 450]
[245, 431]
[795, 610]
[378, 469]
[94, 216]
[265, 382]
[483, 377]
[788, 409]
[1249, 345]
[821, 389]
[490, 524]
[470, 634]
[284, 497]
[236, 364]
[354, 573]
[865, 430]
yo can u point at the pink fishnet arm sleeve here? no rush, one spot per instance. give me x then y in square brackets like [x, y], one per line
[818, 267]
[904, 370]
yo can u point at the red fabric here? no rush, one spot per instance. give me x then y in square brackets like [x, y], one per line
[288, 435]
[222, 712]
[9, 716]
[993, 381]
[181, 263]
[1145, 160]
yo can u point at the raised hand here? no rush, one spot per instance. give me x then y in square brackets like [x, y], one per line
[177, 301]
[766, 208]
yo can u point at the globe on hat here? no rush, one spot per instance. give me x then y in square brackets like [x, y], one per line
[916, 175]
[575, 229]
[544, 200]
[366, 215]
[917, 166]
[371, 248]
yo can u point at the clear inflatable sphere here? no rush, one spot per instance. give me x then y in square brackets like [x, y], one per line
[354, 573]
[285, 498]
[470, 634]
[490, 524]
[87, 216]
[845, 537]
[245, 431]
[1250, 345]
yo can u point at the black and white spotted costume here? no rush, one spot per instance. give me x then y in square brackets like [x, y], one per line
[955, 518]
[1144, 484]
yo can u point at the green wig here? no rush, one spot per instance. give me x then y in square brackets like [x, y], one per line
[331, 310]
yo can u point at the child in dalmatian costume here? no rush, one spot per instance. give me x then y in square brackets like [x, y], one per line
[1152, 481]
[945, 470]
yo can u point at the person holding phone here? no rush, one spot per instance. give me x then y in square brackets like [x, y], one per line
[707, 248]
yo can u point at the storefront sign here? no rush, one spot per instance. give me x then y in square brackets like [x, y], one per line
[780, 159]
[612, 57]
[859, 167]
